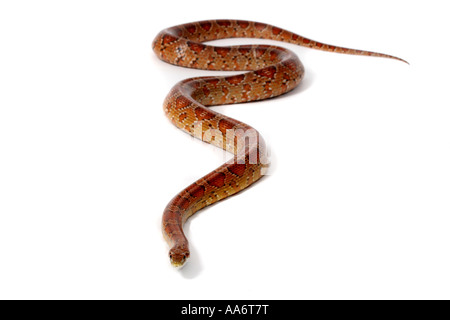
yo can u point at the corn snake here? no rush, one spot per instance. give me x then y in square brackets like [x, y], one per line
[271, 71]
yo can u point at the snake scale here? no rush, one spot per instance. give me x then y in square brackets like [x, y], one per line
[271, 71]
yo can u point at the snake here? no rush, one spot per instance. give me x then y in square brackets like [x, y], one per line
[270, 71]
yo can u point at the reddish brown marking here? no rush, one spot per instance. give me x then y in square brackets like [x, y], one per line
[196, 47]
[223, 51]
[224, 125]
[216, 179]
[206, 25]
[196, 190]
[213, 81]
[195, 64]
[225, 92]
[206, 91]
[274, 56]
[203, 114]
[306, 41]
[191, 28]
[182, 102]
[243, 24]
[276, 31]
[260, 51]
[224, 23]
[237, 169]
[182, 116]
[244, 50]
[260, 26]
[172, 214]
[291, 64]
[295, 37]
[268, 72]
[191, 84]
[168, 39]
[236, 79]
[285, 36]
[181, 202]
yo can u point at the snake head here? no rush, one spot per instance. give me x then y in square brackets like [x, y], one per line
[178, 256]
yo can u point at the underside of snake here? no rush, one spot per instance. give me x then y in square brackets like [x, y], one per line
[271, 71]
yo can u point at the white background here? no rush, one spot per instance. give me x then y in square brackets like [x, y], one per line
[356, 207]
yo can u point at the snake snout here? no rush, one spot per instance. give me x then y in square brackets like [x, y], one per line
[178, 256]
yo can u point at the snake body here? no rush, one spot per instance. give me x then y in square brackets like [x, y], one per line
[272, 71]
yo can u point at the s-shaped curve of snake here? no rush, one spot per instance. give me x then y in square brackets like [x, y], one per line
[272, 71]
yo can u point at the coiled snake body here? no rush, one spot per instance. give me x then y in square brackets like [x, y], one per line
[272, 70]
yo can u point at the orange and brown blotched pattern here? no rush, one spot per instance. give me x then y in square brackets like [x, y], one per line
[272, 71]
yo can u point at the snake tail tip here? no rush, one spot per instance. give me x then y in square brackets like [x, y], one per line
[402, 60]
